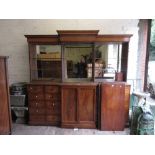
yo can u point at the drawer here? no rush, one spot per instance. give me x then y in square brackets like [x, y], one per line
[37, 118]
[52, 118]
[36, 97]
[52, 96]
[53, 110]
[35, 89]
[36, 104]
[36, 111]
[50, 104]
[52, 89]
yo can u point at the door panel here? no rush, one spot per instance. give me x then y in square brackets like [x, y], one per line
[86, 105]
[69, 104]
[112, 107]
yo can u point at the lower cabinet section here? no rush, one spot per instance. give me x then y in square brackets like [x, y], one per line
[44, 104]
[104, 106]
[78, 107]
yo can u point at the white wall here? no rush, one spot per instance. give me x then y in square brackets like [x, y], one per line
[14, 44]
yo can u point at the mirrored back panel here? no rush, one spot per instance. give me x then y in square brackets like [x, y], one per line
[78, 61]
[107, 60]
[48, 62]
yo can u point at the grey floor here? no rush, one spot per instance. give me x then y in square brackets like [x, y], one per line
[24, 129]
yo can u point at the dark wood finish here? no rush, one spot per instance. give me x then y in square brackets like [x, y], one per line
[124, 60]
[83, 36]
[127, 102]
[53, 107]
[78, 107]
[114, 106]
[5, 115]
[42, 39]
[86, 107]
[44, 104]
[33, 64]
[63, 62]
[113, 38]
[69, 105]
[77, 101]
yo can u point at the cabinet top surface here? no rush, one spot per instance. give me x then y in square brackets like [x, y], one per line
[62, 83]
[58, 83]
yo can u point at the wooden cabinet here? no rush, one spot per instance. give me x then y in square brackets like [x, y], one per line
[114, 105]
[62, 62]
[44, 104]
[78, 107]
[5, 117]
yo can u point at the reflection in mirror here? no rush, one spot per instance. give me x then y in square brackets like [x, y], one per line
[107, 60]
[77, 59]
[48, 61]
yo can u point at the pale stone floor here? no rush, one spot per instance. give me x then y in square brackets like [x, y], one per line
[24, 129]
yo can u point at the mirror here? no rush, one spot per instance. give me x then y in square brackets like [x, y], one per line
[48, 61]
[107, 60]
[78, 58]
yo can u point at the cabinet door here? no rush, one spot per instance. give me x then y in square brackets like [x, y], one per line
[86, 105]
[112, 107]
[69, 105]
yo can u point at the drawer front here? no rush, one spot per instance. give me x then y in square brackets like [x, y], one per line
[52, 118]
[35, 89]
[36, 104]
[53, 110]
[52, 89]
[37, 111]
[36, 97]
[37, 118]
[51, 104]
[52, 96]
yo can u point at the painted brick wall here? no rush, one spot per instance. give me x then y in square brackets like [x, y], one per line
[14, 44]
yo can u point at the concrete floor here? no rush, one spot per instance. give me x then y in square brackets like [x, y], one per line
[24, 129]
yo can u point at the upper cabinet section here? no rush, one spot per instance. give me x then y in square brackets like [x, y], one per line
[45, 62]
[78, 55]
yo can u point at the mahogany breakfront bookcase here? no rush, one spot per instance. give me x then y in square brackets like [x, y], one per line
[78, 80]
